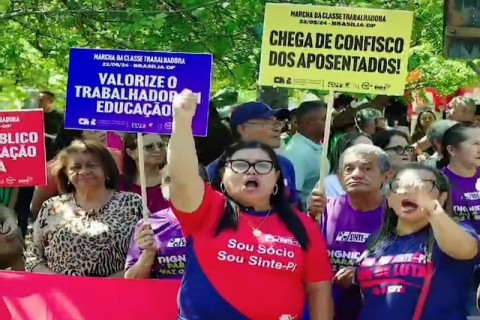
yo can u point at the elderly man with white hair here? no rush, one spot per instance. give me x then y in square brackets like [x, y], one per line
[348, 221]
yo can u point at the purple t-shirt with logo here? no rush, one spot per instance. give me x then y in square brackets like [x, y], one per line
[465, 198]
[172, 247]
[347, 232]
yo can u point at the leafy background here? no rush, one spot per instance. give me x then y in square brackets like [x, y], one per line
[36, 35]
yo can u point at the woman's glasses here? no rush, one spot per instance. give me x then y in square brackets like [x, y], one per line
[426, 185]
[402, 150]
[242, 166]
[154, 146]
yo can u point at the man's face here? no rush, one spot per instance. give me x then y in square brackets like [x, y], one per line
[44, 101]
[460, 111]
[266, 131]
[317, 121]
[361, 173]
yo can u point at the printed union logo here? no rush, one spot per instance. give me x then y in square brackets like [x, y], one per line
[87, 122]
[282, 80]
[10, 180]
[332, 84]
[287, 317]
[355, 237]
[176, 243]
[366, 85]
[83, 121]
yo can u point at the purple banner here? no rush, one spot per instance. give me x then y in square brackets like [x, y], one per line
[132, 91]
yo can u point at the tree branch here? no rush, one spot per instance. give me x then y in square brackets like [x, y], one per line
[16, 14]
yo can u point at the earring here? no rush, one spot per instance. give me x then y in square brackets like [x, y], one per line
[222, 187]
[275, 189]
[108, 179]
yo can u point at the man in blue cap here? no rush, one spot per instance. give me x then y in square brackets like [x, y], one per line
[255, 121]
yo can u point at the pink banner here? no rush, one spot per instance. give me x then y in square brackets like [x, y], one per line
[26, 296]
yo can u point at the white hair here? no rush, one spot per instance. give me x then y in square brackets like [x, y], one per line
[383, 160]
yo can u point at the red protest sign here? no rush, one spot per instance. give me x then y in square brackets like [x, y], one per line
[30, 296]
[22, 149]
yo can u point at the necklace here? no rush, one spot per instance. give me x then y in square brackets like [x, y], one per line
[257, 233]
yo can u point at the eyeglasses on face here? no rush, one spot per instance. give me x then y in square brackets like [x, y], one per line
[242, 166]
[402, 150]
[268, 123]
[427, 185]
[154, 146]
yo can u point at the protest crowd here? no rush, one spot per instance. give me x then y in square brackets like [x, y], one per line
[340, 208]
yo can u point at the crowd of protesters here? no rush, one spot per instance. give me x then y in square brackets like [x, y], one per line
[239, 216]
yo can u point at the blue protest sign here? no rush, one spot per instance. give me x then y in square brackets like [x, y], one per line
[132, 91]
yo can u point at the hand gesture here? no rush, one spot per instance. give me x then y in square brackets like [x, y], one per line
[184, 104]
[344, 277]
[8, 228]
[425, 201]
[316, 203]
[146, 239]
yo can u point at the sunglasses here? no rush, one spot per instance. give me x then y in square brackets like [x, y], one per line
[154, 146]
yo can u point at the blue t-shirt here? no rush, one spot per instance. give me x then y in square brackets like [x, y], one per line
[392, 278]
[288, 173]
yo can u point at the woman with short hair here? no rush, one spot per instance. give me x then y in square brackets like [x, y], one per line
[85, 231]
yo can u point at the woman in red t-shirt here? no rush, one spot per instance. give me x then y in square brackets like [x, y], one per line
[249, 255]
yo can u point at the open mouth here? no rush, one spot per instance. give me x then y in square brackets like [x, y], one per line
[409, 206]
[251, 184]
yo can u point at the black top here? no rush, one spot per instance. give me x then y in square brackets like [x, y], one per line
[53, 121]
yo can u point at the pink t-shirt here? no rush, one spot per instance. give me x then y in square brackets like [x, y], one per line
[114, 141]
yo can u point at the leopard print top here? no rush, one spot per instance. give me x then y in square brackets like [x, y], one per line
[94, 243]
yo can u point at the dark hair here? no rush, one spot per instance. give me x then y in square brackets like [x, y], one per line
[455, 135]
[343, 100]
[477, 110]
[307, 107]
[130, 169]
[49, 94]
[419, 131]
[344, 142]
[382, 138]
[64, 138]
[387, 233]
[219, 137]
[279, 203]
[97, 150]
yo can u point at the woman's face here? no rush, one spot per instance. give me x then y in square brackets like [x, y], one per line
[154, 147]
[426, 120]
[405, 191]
[362, 140]
[250, 177]
[468, 151]
[165, 183]
[399, 151]
[95, 135]
[85, 171]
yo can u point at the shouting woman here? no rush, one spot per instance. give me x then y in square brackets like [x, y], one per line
[420, 265]
[248, 230]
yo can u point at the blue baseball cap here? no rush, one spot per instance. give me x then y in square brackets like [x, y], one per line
[251, 111]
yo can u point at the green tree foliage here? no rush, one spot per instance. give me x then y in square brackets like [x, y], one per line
[36, 36]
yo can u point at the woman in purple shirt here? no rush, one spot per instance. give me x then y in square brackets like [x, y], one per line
[460, 163]
[157, 249]
[420, 264]
[155, 152]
